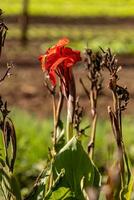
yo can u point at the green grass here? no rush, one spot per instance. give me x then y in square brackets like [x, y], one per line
[105, 144]
[105, 141]
[33, 139]
[72, 7]
[118, 39]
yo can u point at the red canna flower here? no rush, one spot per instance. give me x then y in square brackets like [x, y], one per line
[59, 60]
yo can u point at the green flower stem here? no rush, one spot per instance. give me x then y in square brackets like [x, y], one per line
[57, 114]
[71, 108]
[55, 122]
[69, 127]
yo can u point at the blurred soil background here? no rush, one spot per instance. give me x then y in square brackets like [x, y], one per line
[25, 90]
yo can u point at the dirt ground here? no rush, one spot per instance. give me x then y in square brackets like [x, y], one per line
[78, 20]
[25, 89]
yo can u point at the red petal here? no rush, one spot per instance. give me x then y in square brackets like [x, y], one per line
[52, 77]
[69, 62]
[42, 60]
[62, 42]
[58, 62]
[50, 60]
[75, 55]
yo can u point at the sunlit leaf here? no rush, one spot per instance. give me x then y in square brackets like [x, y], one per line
[77, 165]
[15, 188]
[60, 137]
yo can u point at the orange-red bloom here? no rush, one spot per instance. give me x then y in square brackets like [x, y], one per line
[59, 60]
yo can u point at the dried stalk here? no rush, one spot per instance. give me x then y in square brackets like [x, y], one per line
[120, 101]
[3, 32]
[93, 62]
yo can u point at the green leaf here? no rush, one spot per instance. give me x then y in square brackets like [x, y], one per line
[9, 184]
[15, 188]
[2, 162]
[37, 192]
[77, 165]
[60, 137]
[129, 189]
[62, 193]
[127, 162]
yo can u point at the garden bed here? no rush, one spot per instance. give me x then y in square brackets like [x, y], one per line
[25, 90]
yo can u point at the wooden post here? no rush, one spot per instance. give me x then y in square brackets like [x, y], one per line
[24, 22]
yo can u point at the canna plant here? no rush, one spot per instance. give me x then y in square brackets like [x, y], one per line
[120, 180]
[59, 60]
[8, 184]
[68, 179]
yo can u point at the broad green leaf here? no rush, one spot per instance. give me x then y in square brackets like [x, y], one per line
[127, 162]
[127, 191]
[60, 137]
[77, 165]
[62, 193]
[37, 192]
[9, 184]
[51, 191]
[15, 188]
[130, 189]
[2, 162]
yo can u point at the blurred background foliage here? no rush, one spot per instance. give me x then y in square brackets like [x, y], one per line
[113, 8]
[33, 132]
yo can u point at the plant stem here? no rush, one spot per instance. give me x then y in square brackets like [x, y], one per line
[71, 108]
[70, 113]
[54, 118]
[119, 139]
[59, 107]
[92, 140]
[93, 102]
